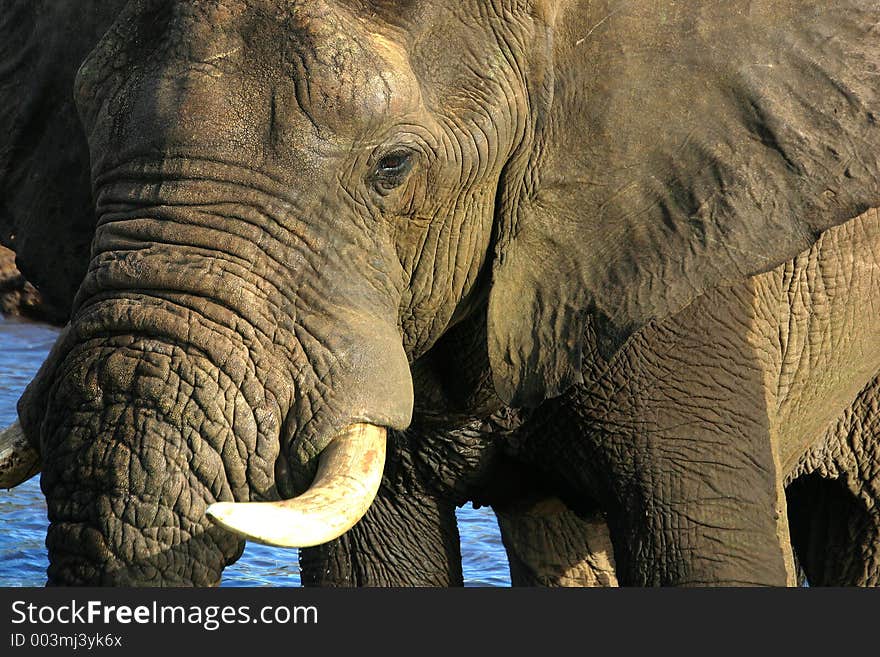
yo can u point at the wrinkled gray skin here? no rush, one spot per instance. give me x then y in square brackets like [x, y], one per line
[309, 215]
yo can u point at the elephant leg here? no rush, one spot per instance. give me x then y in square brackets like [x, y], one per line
[549, 545]
[834, 499]
[682, 519]
[403, 540]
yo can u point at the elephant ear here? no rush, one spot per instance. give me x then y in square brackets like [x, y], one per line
[686, 145]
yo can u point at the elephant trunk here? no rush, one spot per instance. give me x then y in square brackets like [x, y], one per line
[139, 436]
[196, 370]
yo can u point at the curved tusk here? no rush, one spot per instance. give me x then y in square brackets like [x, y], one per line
[19, 461]
[348, 478]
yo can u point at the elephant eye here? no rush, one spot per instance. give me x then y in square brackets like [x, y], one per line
[391, 169]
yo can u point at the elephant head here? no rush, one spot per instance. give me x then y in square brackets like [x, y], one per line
[296, 201]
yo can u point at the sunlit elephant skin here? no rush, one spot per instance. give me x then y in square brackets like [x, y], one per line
[305, 209]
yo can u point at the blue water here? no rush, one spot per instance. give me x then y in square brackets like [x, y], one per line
[23, 347]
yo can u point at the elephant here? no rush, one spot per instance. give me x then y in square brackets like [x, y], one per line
[644, 230]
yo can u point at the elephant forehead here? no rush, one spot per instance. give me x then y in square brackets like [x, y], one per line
[355, 75]
[349, 74]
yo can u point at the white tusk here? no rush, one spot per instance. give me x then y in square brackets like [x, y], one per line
[349, 473]
[19, 461]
